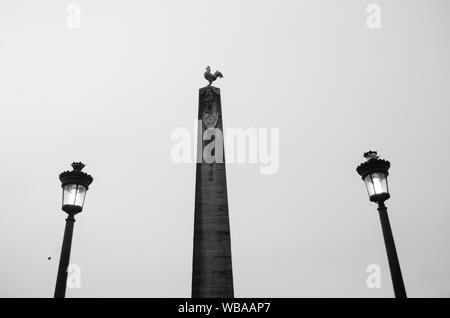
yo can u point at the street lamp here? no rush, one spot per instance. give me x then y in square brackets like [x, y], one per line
[374, 172]
[74, 183]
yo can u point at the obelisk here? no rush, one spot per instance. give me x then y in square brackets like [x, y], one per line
[212, 275]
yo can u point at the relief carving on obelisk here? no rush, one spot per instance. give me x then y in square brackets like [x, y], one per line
[210, 108]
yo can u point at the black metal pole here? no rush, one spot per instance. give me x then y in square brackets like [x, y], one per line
[394, 265]
[61, 281]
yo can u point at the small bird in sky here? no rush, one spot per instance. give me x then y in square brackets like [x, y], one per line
[49, 258]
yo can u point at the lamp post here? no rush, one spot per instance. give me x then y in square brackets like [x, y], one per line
[74, 183]
[374, 172]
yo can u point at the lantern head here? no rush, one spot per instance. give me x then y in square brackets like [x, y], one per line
[74, 183]
[374, 172]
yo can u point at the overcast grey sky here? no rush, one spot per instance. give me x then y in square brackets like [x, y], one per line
[111, 92]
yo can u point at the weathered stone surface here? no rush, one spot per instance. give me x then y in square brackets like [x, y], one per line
[212, 271]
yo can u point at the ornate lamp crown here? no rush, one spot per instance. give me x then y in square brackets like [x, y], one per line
[78, 166]
[373, 164]
[76, 176]
[371, 155]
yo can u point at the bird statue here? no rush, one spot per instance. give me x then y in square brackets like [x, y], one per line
[210, 77]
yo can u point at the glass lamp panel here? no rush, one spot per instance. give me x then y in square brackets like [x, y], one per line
[379, 182]
[69, 194]
[74, 195]
[369, 185]
[81, 194]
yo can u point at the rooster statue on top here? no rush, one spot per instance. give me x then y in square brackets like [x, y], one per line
[210, 77]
